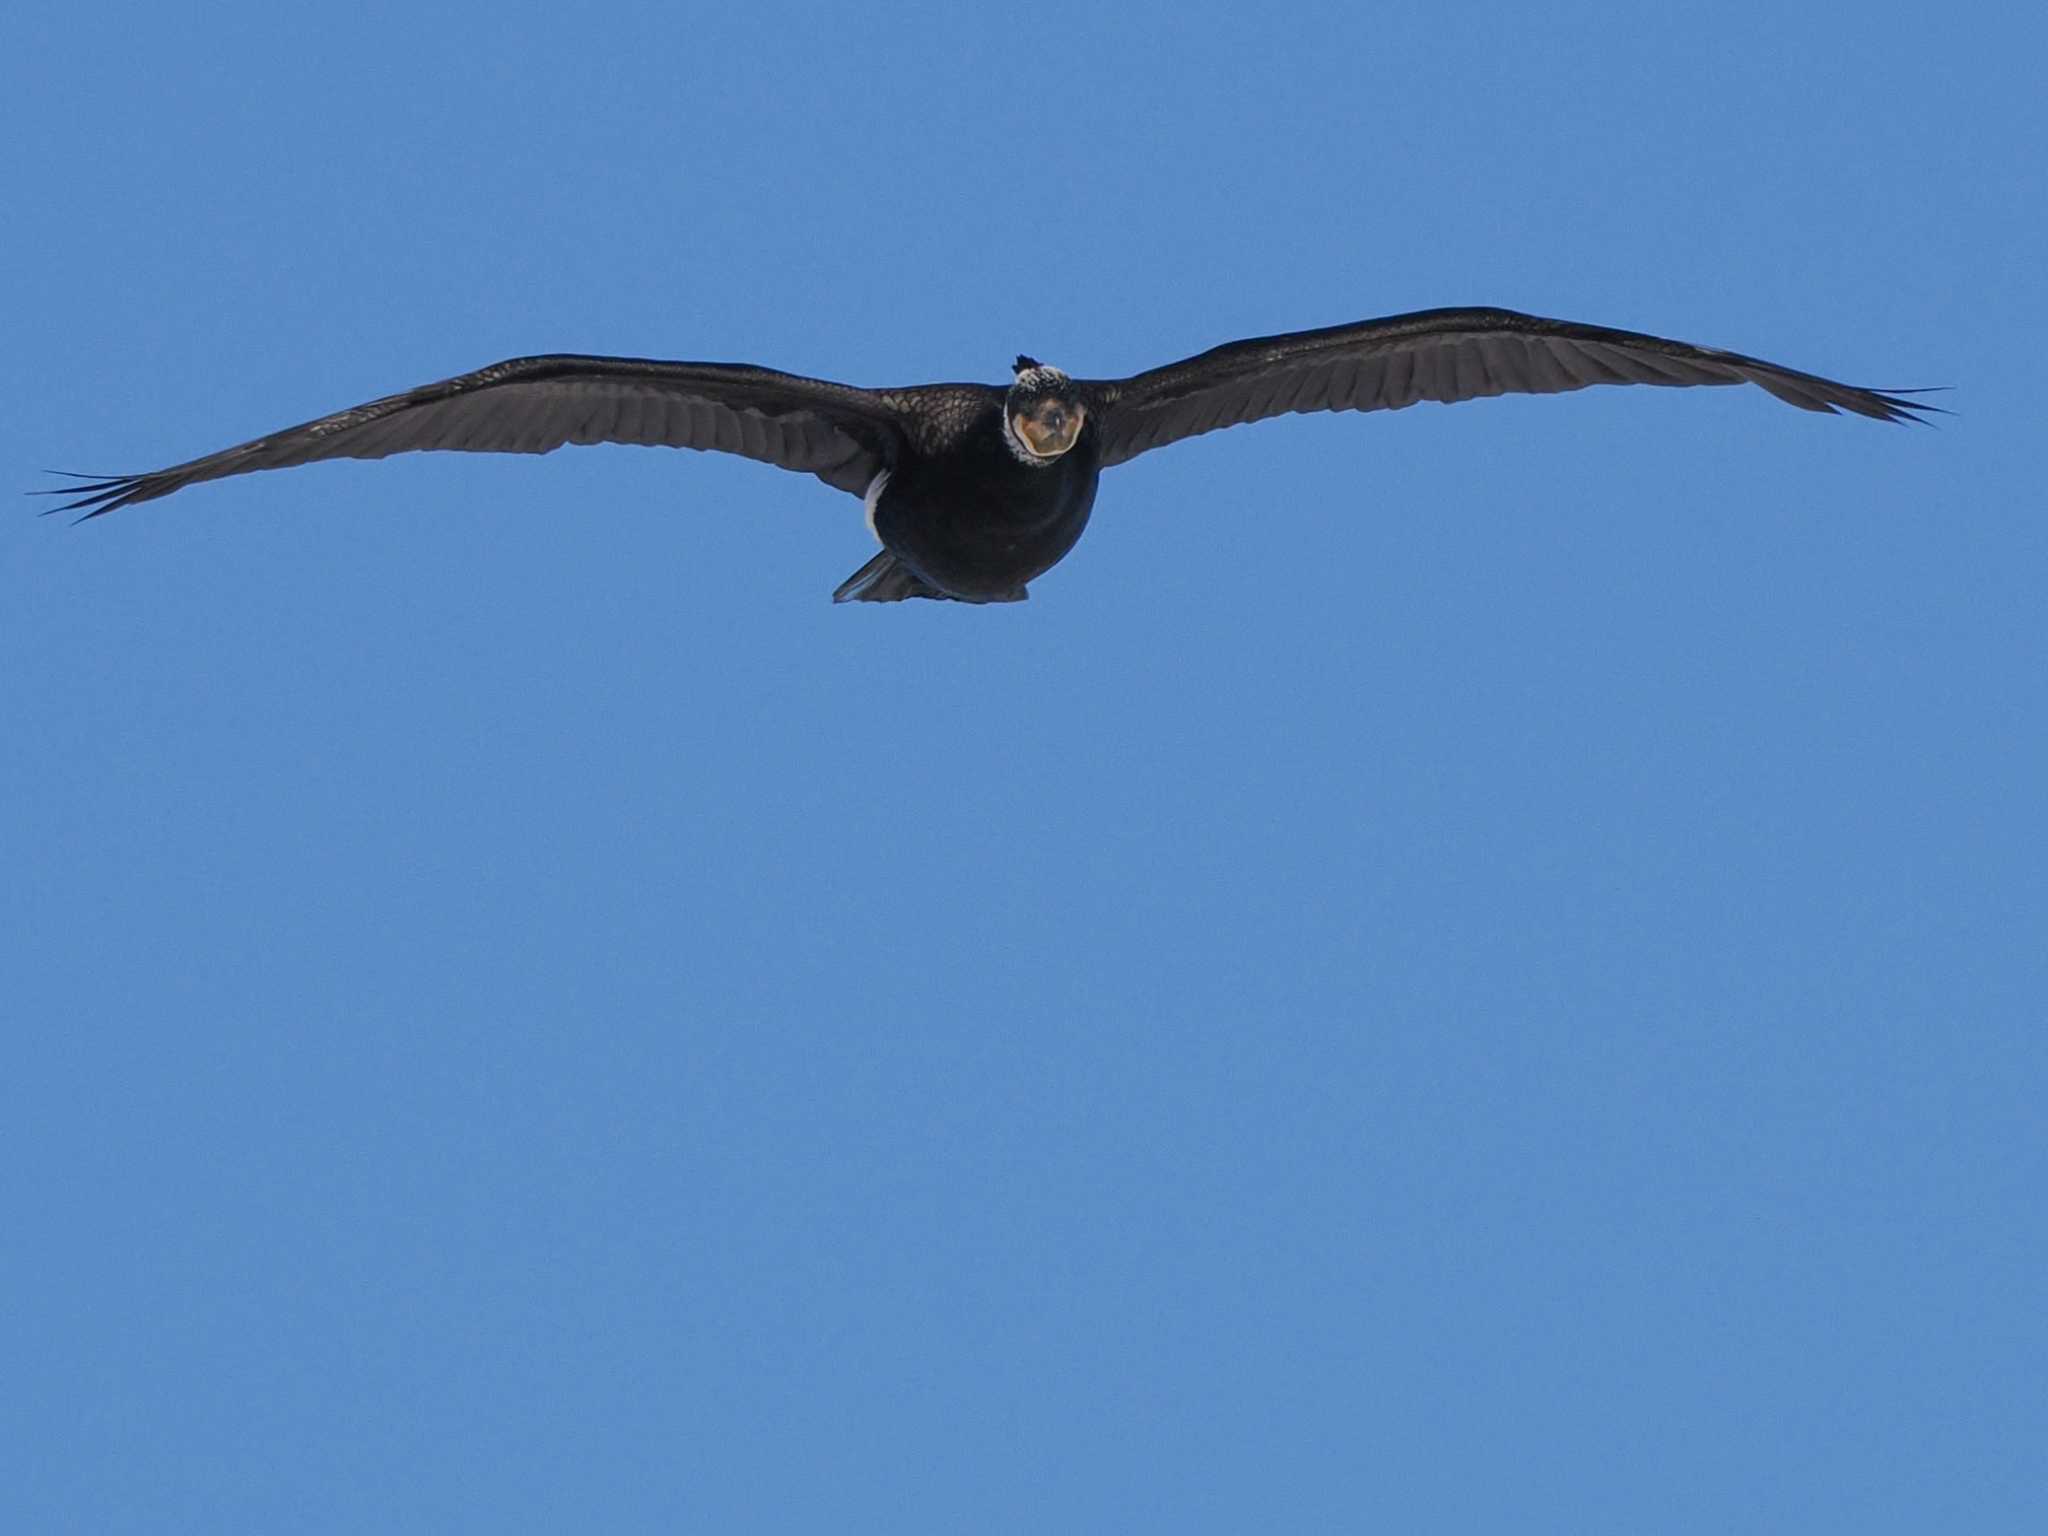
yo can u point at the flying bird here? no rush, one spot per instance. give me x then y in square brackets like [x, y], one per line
[975, 490]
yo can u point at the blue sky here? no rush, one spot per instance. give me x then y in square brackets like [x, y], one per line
[1478, 969]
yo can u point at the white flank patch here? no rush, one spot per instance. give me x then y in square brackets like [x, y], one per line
[873, 499]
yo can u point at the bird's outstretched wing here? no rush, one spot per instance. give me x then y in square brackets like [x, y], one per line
[1436, 354]
[840, 434]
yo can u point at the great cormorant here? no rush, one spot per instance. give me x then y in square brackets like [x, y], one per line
[973, 490]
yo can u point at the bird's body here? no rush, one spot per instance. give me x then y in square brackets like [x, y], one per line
[974, 522]
[974, 490]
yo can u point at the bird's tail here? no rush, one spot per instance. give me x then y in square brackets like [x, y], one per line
[883, 580]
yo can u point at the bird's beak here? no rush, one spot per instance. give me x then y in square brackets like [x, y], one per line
[1049, 428]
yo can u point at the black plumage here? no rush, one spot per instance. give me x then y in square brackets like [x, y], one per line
[974, 490]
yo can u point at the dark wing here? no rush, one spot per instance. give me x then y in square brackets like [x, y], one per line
[1437, 354]
[840, 434]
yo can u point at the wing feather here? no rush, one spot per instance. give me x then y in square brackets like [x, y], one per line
[1443, 355]
[843, 435]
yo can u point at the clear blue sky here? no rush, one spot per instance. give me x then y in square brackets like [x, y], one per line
[1472, 970]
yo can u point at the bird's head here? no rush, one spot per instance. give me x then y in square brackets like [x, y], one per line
[1043, 413]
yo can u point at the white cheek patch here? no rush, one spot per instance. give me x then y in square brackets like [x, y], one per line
[1018, 447]
[873, 499]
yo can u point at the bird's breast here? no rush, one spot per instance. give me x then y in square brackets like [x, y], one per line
[982, 527]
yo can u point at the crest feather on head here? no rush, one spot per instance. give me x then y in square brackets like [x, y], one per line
[1032, 374]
